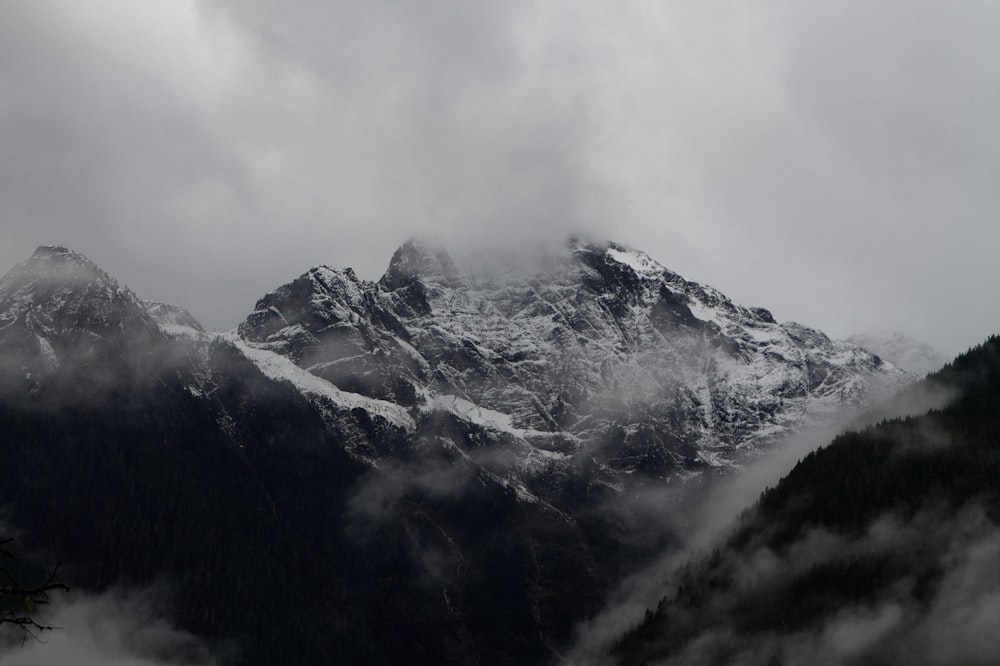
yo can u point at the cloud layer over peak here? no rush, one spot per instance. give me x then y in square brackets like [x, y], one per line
[832, 163]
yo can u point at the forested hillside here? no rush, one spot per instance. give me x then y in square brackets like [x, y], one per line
[880, 548]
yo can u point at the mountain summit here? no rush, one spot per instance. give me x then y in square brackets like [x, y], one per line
[602, 350]
[58, 284]
[58, 307]
[419, 259]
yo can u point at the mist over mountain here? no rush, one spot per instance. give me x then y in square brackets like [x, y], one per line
[901, 350]
[596, 337]
[879, 548]
[442, 466]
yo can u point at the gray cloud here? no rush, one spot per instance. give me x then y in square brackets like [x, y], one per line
[382, 491]
[832, 163]
[896, 624]
[117, 628]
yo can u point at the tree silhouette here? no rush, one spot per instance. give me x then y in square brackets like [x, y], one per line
[19, 601]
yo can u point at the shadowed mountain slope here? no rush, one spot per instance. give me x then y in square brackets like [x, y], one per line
[880, 548]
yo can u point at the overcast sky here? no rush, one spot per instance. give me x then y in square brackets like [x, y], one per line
[838, 163]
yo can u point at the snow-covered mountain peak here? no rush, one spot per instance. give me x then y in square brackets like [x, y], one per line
[572, 349]
[59, 308]
[643, 265]
[59, 253]
[420, 259]
[53, 267]
[600, 348]
[66, 288]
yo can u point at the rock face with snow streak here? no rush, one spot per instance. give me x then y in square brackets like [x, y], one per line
[601, 352]
[173, 319]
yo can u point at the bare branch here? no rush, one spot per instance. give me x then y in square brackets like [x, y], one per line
[28, 595]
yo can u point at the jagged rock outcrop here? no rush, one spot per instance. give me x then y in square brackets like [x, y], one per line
[602, 350]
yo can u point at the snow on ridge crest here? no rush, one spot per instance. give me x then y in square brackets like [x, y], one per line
[279, 368]
[640, 262]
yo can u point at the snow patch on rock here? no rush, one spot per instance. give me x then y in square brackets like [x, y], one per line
[279, 368]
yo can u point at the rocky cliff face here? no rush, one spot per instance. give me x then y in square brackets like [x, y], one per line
[601, 351]
[421, 467]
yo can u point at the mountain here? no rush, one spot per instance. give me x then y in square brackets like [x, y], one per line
[432, 468]
[600, 349]
[880, 548]
[139, 450]
[61, 314]
[901, 350]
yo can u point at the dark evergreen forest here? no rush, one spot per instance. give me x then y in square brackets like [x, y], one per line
[925, 474]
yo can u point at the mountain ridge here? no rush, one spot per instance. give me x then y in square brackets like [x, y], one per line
[601, 315]
[393, 451]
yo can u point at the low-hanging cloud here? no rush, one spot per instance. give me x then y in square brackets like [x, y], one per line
[701, 514]
[120, 627]
[843, 148]
[895, 624]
